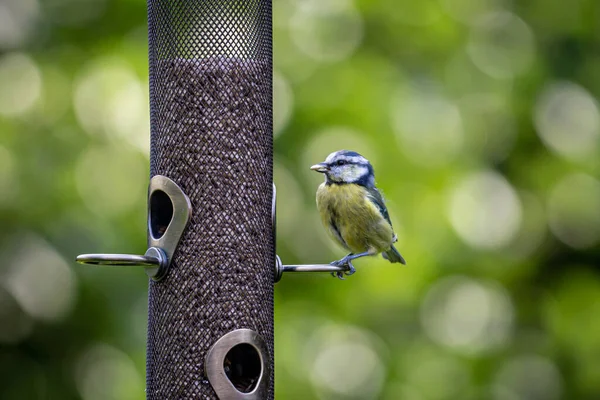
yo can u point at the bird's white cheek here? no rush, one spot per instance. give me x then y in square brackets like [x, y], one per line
[353, 174]
[335, 176]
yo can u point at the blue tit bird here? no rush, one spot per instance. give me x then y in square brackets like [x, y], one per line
[353, 210]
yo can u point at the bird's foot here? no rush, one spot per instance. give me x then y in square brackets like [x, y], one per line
[339, 275]
[346, 261]
[351, 270]
[342, 261]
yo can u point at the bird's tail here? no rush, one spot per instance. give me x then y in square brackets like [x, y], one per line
[393, 256]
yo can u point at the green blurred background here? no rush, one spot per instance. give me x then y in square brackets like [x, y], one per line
[481, 119]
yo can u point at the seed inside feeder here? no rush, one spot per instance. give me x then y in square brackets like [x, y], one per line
[212, 134]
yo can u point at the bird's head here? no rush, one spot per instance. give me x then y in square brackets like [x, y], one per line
[346, 167]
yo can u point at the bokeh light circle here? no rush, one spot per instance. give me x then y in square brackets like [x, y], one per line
[109, 98]
[20, 83]
[485, 210]
[468, 315]
[574, 210]
[501, 45]
[326, 30]
[346, 363]
[41, 280]
[567, 119]
[428, 126]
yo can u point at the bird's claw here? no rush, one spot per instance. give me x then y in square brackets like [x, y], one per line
[349, 270]
[339, 275]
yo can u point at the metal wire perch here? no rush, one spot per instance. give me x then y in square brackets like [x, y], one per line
[335, 270]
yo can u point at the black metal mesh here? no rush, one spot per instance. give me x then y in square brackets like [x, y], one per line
[211, 118]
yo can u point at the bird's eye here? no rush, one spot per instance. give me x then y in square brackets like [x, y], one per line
[341, 162]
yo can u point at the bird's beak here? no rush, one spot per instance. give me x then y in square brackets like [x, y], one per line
[320, 167]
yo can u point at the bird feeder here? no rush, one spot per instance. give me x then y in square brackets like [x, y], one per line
[210, 323]
[211, 203]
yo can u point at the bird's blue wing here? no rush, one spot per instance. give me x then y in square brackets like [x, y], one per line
[376, 198]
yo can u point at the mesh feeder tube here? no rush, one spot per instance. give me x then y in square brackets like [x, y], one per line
[211, 133]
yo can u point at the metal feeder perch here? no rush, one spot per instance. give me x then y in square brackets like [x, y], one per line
[211, 214]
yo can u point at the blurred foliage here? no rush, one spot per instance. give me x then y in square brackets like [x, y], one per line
[483, 124]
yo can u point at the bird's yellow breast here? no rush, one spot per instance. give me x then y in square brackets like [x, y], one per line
[352, 219]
